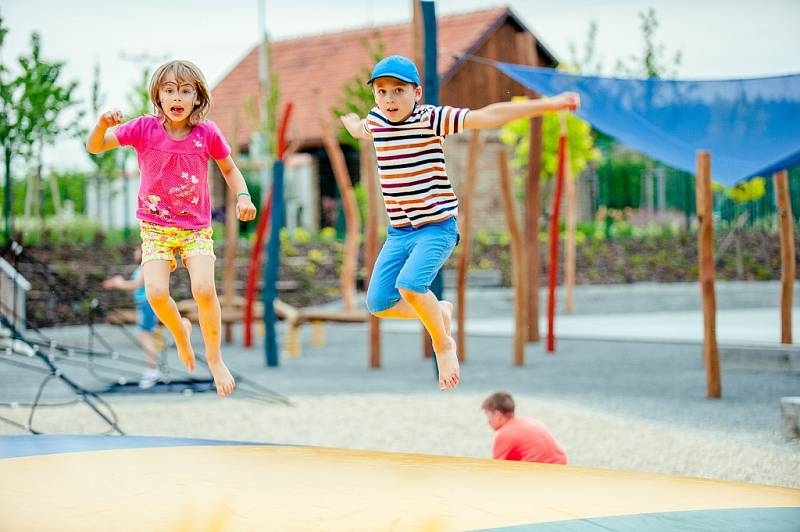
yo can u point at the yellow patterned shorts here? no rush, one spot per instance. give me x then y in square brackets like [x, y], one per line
[161, 243]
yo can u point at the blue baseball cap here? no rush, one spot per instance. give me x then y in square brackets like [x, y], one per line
[396, 66]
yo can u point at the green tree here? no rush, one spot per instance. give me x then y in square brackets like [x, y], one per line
[267, 124]
[652, 62]
[12, 135]
[106, 162]
[33, 102]
[579, 138]
[358, 97]
[587, 63]
[44, 102]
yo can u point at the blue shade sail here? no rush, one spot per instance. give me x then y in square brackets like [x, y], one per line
[750, 126]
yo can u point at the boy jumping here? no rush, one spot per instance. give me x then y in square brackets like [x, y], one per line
[419, 199]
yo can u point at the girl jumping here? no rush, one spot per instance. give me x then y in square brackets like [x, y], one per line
[173, 147]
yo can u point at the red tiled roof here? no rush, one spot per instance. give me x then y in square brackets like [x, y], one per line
[329, 61]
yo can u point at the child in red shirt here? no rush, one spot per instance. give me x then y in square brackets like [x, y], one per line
[521, 439]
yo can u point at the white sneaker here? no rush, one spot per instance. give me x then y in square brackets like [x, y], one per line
[149, 378]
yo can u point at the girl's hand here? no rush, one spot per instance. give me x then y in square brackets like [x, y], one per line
[570, 101]
[110, 119]
[245, 210]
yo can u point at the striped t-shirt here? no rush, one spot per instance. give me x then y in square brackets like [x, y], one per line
[410, 156]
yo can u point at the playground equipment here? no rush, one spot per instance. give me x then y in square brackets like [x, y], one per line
[24, 346]
[89, 483]
[682, 130]
[246, 310]
[552, 277]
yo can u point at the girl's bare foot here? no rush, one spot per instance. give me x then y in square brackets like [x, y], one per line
[447, 315]
[184, 347]
[222, 378]
[447, 362]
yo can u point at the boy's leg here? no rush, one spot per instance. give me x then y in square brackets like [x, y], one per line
[432, 246]
[383, 297]
[156, 283]
[201, 272]
[403, 311]
[435, 317]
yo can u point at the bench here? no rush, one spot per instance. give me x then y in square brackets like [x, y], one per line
[233, 312]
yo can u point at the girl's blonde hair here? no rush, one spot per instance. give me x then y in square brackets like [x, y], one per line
[184, 72]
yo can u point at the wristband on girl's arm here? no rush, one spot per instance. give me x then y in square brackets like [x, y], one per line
[240, 194]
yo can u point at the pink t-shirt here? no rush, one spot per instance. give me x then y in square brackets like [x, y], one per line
[527, 440]
[174, 173]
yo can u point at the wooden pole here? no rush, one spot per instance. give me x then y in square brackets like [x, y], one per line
[569, 245]
[347, 279]
[465, 219]
[526, 55]
[371, 243]
[532, 214]
[705, 245]
[517, 261]
[788, 266]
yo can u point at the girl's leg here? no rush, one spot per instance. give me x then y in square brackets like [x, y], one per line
[156, 284]
[204, 291]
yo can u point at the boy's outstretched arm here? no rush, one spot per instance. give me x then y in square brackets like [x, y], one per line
[100, 139]
[355, 125]
[497, 114]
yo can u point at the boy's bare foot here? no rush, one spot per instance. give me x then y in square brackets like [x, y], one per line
[447, 315]
[184, 347]
[222, 378]
[447, 361]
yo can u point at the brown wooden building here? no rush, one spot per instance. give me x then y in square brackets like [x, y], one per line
[329, 61]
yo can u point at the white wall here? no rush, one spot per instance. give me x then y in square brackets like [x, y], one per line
[106, 201]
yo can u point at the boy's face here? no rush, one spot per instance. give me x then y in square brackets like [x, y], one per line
[395, 98]
[494, 418]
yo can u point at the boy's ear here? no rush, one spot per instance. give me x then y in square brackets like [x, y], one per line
[418, 93]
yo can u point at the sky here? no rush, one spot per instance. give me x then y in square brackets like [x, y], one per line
[716, 38]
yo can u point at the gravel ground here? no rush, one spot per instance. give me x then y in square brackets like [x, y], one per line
[433, 424]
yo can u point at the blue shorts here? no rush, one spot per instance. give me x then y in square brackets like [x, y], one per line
[145, 317]
[410, 259]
